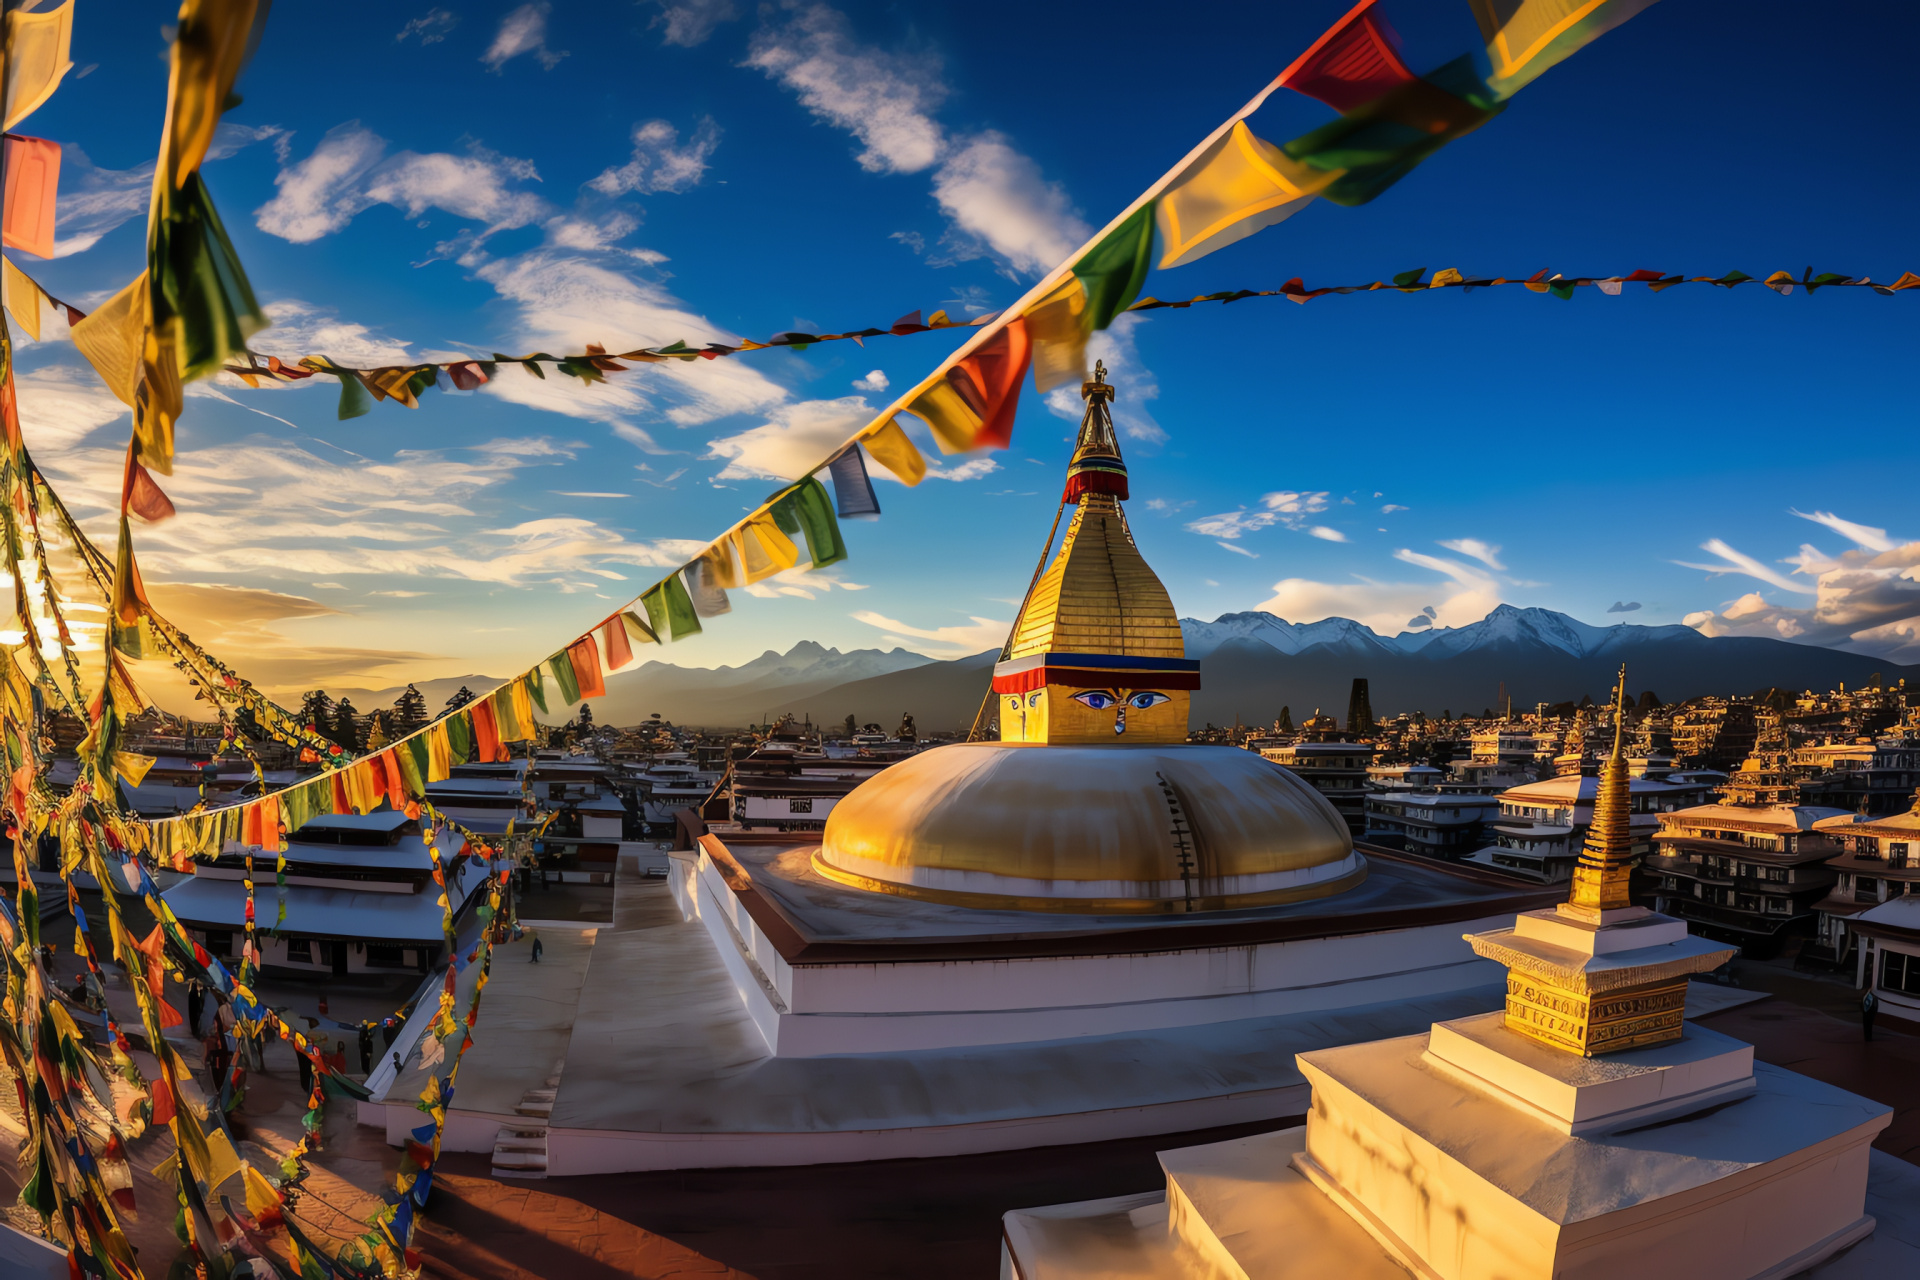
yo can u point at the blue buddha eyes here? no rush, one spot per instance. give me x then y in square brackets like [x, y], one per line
[1101, 699]
[1033, 699]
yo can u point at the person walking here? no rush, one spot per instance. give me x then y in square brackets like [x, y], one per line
[538, 947]
[366, 1048]
[196, 1006]
[1869, 1005]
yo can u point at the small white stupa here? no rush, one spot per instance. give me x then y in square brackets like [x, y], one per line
[1585, 1132]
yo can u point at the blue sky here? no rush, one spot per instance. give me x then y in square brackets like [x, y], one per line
[404, 182]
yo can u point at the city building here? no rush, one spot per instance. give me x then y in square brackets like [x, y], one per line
[1879, 861]
[1745, 873]
[1888, 956]
[360, 897]
[1337, 770]
[1540, 826]
[1433, 824]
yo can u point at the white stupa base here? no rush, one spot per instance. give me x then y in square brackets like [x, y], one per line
[1454, 1156]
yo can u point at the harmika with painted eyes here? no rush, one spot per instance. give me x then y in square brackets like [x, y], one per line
[1101, 699]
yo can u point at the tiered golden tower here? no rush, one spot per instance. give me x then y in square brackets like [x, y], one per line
[1096, 656]
[1597, 974]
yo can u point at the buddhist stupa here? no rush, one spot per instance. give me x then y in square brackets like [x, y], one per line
[1092, 800]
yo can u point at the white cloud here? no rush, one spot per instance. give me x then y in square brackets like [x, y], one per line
[522, 31]
[691, 22]
[1238, 550]
[348, 172]
[1291, 508]
[63, 404]
[1739, 562]
[1231, 524]
[1326, 534]
[568, 301]
[998, 199]
[1865, 600]
[1866, 537]
[265, 506]
[1391, 507]
[873, 382]
[794, 442]
[971, 469]
[882, 99]
[660, 163]
[958, 642]
[1486, 553]
[93, 201]
[431, 27]
[1386, 606]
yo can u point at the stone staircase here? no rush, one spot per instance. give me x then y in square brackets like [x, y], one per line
[520, 1150]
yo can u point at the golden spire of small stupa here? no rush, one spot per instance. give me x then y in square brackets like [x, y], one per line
[1605, 865]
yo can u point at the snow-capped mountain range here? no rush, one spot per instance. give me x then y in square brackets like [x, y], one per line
[1506, 627]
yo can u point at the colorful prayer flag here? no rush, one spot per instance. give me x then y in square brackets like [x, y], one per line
[806, 510]
[1114, 269]
[1527, 37]
[22, 296]
[33, 180]
[1240, 185]
[583, 656]
[892, 449]
[671, 610]
[764, 551]
[1355, 62]
[36, 59]
[1057, 324]
[709, 601]
[853, 497]
[1376, 145]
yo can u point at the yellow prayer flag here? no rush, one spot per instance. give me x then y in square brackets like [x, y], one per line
[113, 339]
[506, 717]
[262, 1199]
[1441, 279]
[1238, 186]
[439, 754]
[36, 53]
[222, 1161]
[720, 566]
[955, 423]
[522, 705]
[131, 766]
[892, 449]
[1058, 326]
[764, 549]
[207, 54]
[22, 298]
[1527, 37]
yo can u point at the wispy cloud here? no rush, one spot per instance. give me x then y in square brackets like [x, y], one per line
[1624, 606]
[430, 27]
[522, 31]
[691, 22]
[1470, 594]
[1863, 536]
[659, 162]
[1326, 533]
[1732, 561]
[1286, 507]
[954, 641]
[1485, 552]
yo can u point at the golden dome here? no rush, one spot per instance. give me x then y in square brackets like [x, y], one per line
[1098, 595]
[1097, 829]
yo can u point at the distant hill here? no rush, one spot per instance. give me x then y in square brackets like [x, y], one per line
[1254, 663]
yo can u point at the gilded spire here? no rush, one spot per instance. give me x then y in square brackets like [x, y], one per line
[1096, 466]
[1600, 876]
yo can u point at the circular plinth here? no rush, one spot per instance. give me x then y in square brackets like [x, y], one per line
[1096, 829]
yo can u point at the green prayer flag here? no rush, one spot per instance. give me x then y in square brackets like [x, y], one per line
[420, 756]
[1114, 270]
[197, 280]
[671, 609]
[1377, 145]
[460, 736]
[536, 689]
[562, 667]
[807, 510]
[354, 400]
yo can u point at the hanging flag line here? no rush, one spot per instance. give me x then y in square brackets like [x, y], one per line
[1560, 286]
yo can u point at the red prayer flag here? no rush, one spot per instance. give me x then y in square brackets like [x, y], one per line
[33, 180]
[619, 648]
[584, 654]
[486, 732]
[1356, 62]
[989, 381]
[340, 802]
